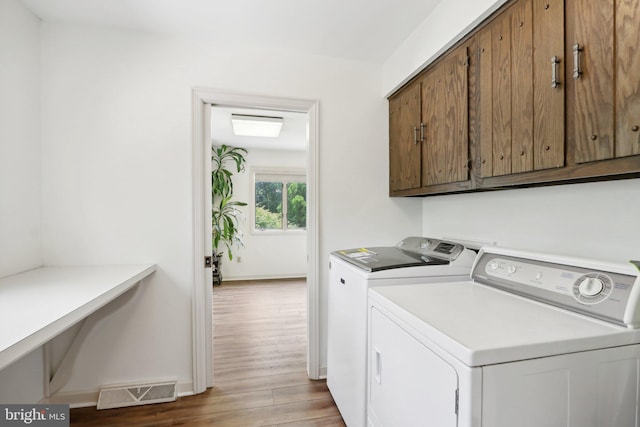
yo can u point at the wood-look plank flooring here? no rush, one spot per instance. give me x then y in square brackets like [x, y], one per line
[260, 373]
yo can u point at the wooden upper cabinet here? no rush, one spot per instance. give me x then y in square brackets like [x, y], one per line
[521, 115]
[543, 92]
[603, 107]
[404, 146]
[444, 126]
[428, 127]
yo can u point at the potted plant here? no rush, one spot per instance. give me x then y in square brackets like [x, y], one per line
[225, 212]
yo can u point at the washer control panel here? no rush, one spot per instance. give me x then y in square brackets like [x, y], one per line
[429, 247]
[578, 286]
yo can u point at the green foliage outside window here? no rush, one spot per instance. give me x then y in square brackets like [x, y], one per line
[266, 220]
[297, 205]
[269, 205]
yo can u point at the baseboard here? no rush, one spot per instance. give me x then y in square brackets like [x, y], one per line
[185, 388]
[323, 373]
[83, 399]
[75, 399]
[264, 277]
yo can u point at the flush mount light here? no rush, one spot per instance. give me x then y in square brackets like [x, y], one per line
[246, 125]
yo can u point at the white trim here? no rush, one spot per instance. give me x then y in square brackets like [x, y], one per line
[200, 347]
[208, 273]
[313, 287]
[202, 338]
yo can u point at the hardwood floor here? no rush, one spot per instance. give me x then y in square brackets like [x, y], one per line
[259, 368]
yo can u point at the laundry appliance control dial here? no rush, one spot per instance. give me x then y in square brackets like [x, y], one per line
[592, 288]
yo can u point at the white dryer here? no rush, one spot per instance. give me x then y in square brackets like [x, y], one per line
[533, 340]
[352, 273]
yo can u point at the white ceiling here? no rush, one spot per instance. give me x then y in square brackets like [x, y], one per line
[292, 137]
[367, 30]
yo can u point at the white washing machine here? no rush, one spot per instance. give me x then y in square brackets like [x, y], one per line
[532, 340]
[352, 273]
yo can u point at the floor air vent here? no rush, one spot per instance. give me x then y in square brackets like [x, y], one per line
[136, 394]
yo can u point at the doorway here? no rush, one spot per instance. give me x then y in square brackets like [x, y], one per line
[203, 100]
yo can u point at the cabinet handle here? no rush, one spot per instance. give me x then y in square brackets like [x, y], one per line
[422, 131]
[577, 68]
[378, 366]
[554, 72]
[415, 135]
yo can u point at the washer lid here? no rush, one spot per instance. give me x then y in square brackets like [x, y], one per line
[409, 252]
[480, 325]
[386, 258]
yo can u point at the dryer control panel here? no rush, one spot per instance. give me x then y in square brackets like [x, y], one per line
[606, 291]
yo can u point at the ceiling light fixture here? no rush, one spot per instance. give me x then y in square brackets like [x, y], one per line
[263, 126]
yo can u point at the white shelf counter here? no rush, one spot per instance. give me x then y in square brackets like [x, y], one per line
[39, 304]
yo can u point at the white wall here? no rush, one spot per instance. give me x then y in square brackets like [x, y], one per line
[117, 173]
[448, 23]
[20, 186]
[20, 174]
[596, 220]
[266, 255]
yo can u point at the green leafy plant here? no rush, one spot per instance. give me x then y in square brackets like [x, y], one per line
[225, 212]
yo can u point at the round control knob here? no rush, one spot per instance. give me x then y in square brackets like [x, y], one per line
[591, 286]
[493, 265]
[511, 269]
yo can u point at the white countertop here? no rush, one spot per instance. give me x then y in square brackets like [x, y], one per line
[481, 326]
[37, 305]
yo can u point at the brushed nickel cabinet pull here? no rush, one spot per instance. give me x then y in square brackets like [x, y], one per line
[415, 135]
[577, 67]
[422, 131]
[554, 72]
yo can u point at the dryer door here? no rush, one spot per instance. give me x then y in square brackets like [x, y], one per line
[409, 385]
[586, 389]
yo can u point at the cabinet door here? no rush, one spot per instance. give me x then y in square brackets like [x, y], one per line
[408, 384]
[548, 62]
[590, 108]
[506, 93]
[445, 95]
[522, 87]
[627, 80]
[404, 147]
[521, 111]
[604, 97]
[495, 95]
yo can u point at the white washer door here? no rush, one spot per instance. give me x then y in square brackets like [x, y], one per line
[408, 384]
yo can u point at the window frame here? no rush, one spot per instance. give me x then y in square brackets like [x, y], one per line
[281, 172]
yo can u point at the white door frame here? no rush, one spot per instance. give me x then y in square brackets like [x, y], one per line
[203, 99]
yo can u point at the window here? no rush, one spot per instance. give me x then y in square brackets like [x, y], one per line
[280, 201]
